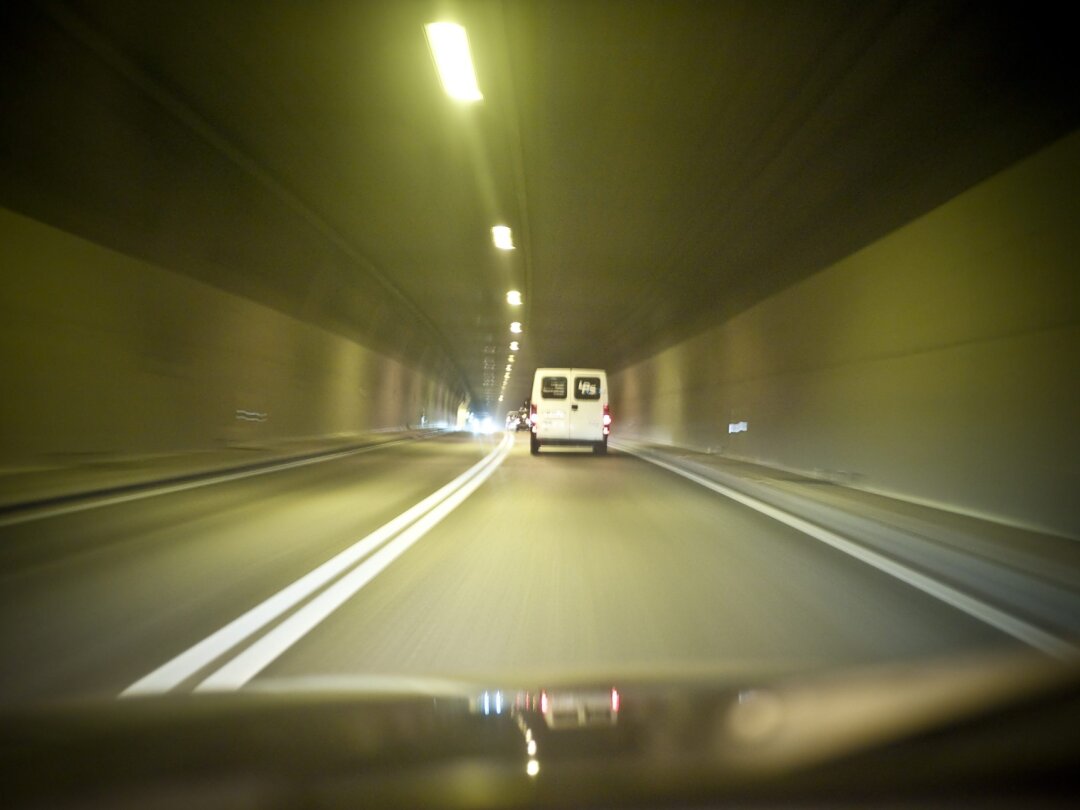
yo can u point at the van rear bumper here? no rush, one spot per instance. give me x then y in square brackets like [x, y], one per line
[569, 442]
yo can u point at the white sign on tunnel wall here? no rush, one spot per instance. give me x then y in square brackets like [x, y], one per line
[738, 427]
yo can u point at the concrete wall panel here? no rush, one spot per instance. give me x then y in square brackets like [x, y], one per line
[941, 363]
[106, 354]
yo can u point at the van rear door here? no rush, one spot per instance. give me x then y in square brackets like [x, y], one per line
[588, 396]
[553, 406]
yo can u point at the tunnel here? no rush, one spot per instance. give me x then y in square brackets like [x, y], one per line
[826, 254]
[870, 264]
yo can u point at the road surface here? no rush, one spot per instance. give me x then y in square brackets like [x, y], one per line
[562, 565]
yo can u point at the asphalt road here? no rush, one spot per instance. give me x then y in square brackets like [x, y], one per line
[559, 566]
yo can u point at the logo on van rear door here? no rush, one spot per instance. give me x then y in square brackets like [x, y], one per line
[587, 387]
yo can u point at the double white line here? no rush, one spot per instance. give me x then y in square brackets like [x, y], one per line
[339, 578]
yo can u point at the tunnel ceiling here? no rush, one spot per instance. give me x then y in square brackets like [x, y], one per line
[663, 165]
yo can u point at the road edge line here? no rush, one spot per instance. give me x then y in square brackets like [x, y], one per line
[988, 614]
[58, 506]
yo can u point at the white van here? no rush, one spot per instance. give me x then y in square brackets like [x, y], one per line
[569, 406]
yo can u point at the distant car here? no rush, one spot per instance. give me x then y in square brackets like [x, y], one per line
[517, 420]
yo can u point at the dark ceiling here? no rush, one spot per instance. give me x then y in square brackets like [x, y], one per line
[663, 165]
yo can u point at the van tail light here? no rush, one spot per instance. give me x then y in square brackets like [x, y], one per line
[532, 412]
[607, 416]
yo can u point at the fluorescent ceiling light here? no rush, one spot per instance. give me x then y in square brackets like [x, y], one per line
[450, 49]
[514, 345]
[513, 298]
[515, 327]
[502, 237]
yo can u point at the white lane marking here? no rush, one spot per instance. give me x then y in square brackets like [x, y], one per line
[173, 672]
[168, 489]
[260, 654]
[1017, 628]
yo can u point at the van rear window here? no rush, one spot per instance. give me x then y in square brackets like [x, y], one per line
[587, 387]
[553, 387]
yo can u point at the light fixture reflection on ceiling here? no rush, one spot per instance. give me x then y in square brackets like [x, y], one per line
[513, 298]
[515, 327]
[450, 49]
[503, 239]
